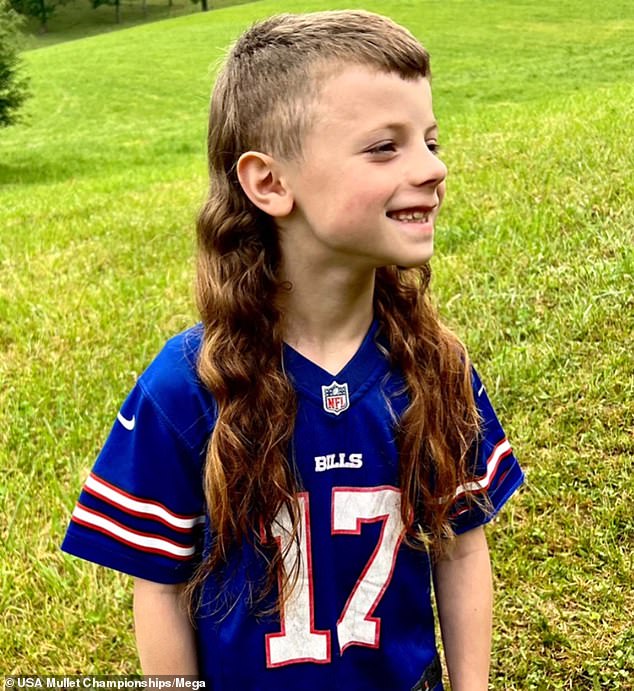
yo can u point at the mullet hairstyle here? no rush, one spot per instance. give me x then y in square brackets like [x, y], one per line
[264, 100]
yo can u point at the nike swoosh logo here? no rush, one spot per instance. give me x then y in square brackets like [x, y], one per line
[128, 424]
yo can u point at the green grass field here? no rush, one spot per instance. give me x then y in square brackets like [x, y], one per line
[78, 19]
[534, 269]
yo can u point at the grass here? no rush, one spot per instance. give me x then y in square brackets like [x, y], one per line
[78, 19]
[534, 266]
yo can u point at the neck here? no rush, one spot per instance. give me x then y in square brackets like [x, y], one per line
[327, 311]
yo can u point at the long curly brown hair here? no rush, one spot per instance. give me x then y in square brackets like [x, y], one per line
[262, 101]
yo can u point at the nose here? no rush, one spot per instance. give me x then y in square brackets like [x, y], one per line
[426, 168]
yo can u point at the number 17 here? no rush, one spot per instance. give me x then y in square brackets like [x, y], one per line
[298, 640]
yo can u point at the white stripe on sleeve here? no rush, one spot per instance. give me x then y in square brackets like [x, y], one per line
[125, 501]
[133, 538]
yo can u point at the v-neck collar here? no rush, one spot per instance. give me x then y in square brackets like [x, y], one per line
[359, 373]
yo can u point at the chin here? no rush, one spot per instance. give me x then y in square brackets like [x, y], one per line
[415, 262]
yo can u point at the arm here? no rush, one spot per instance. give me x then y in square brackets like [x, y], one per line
[164, 634]
[464, 595]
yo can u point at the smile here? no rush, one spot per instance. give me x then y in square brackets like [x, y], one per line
[410, 215]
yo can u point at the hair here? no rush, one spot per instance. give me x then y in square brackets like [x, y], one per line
[262, 101]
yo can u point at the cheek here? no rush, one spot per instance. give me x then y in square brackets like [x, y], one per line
[354, 206]
[363, 199]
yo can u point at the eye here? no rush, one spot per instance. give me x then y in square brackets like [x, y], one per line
[387, 147]
[434, 147]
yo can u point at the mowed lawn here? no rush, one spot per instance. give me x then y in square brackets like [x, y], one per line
[534, 269]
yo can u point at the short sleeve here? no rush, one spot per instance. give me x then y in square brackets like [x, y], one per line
[495, 470]
[141, 510]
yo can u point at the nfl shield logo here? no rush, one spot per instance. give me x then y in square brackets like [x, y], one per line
[335, 398]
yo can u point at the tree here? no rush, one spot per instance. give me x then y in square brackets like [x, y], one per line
[42, 9]
[13, 87]
[117, 7]
[204, 4]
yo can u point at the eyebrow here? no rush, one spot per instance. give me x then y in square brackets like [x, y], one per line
[399, 126]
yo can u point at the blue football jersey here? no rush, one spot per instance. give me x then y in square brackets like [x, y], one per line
[359, 616]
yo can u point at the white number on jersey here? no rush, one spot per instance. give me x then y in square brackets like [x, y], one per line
[351, 508]
[298, 640]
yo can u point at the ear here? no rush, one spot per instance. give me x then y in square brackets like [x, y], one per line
[264, 184]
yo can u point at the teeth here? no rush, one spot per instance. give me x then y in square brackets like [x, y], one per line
[410, 216]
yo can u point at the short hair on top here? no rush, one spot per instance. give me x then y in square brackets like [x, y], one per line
[273, 73]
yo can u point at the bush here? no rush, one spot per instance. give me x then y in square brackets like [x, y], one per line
[13, 87]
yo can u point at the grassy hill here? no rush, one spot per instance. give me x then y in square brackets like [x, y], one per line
[78, 19]
[98, 192]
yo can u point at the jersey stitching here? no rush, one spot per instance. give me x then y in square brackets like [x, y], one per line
[164, 417]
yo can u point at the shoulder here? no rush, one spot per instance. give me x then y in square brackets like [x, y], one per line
[172, 385]
[488, 416]
[174, 368]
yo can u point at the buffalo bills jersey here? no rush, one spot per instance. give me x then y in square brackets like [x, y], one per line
[360, 614]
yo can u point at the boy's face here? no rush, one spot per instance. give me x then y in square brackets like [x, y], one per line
[368, 187]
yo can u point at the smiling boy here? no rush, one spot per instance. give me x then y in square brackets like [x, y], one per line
[322, 423]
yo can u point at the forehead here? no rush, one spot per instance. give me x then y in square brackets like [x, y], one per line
[360, 97]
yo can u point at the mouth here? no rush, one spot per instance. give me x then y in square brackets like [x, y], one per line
[415, 214]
